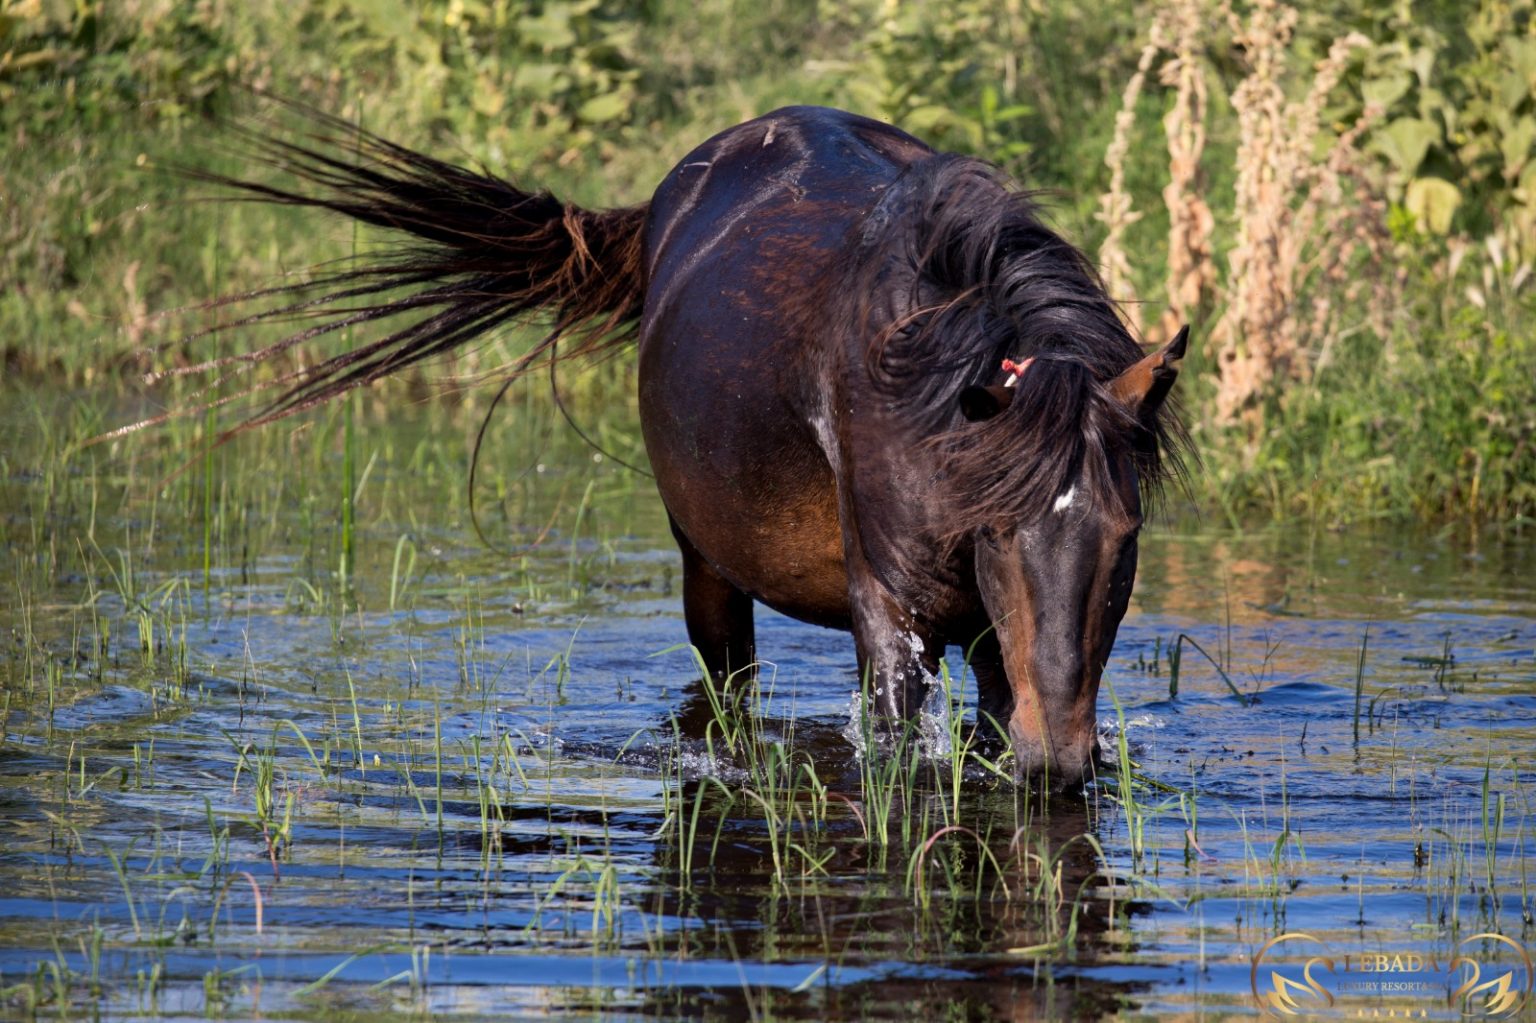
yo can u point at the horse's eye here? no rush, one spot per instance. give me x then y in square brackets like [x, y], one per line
[988, 536]
[1128, 549]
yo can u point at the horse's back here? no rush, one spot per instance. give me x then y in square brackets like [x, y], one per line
[743, 229]
[802, 172]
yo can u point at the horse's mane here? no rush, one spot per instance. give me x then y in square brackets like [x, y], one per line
[955, 272]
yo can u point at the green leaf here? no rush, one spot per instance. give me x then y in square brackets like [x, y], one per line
[1434, 106]
[1516, 146]
[487, 99]
[1433, 202]
[607, 107]
[926, 117]
[550, 31]
[1422, 61]
[1525, 191]
[1405, 141]
[1521, 54]
[1514, 90]
[1387, 89]
[540, 80]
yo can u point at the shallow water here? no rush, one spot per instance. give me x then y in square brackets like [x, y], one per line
[473, 786]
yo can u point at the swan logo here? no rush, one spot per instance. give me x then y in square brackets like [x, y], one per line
[1296, 975]
[1279, 989]
[1490, 990]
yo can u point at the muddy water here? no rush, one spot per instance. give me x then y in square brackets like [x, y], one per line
[471, 786]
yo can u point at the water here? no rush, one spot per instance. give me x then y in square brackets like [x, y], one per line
[478, 786]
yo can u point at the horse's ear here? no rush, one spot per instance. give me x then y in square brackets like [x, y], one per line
[978, 403]
[1143, 388]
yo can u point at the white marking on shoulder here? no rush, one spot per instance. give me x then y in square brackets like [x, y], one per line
[1065, 500]
[768, 136]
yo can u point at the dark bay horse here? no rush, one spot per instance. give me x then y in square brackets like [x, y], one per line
[824, 306]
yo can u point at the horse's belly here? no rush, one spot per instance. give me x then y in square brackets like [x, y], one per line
[756, 501]
[794, 562]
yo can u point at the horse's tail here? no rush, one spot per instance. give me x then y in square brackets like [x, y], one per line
[478, 253]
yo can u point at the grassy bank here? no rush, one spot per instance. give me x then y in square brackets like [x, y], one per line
[1339, 203]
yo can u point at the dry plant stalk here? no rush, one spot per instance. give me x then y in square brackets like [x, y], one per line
[1255, 342]
[1191, 265]
[1354, 218]
[1115, 207]
[1282, 189]
[1191, 268]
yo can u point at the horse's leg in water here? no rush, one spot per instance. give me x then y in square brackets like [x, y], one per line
[718, 615]
[994, 695]
[719, 620]
[896, 655]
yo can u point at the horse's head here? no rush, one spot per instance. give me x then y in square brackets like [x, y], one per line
[1055, 580]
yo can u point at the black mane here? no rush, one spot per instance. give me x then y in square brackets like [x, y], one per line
[956, 272]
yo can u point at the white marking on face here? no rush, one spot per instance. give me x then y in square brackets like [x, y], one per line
[1065, 500]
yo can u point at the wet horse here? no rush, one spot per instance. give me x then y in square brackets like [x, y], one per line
[877, 392]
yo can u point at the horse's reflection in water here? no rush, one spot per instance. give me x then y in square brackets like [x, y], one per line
[972, 931]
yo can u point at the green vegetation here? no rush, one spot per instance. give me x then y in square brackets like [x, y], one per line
[1365, 320]
[1366, 344]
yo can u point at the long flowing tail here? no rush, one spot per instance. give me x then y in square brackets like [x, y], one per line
[479, 253]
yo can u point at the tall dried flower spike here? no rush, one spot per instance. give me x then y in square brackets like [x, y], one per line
[1115, 207]
[1284, 191]
[1191, 281]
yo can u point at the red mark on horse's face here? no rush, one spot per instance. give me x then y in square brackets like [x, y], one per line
[1056, 590]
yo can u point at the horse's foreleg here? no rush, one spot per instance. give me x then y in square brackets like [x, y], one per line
[994, 696]
[718, 615]
[897, 657]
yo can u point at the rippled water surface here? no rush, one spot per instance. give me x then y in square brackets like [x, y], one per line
[465, 785]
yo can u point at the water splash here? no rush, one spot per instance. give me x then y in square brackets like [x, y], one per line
[697, 763]
[934, 733]
[854, 730]
[1109, 730]
[935, 737]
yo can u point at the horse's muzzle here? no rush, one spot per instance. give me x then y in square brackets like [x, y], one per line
[1064, 765]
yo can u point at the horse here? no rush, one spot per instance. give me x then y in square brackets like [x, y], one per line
[878, 393]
